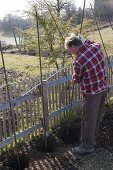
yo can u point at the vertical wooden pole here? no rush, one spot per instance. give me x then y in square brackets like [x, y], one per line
[40, 61]
[82, 16]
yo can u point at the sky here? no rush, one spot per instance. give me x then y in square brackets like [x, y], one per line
[17, 6]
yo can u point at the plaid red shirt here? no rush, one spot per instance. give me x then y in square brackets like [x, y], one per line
[90, 69]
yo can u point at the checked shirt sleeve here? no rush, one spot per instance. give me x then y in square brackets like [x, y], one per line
[77, 72]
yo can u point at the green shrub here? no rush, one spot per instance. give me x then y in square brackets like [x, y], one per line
[74, 116]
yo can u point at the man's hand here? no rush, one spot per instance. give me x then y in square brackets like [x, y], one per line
[81, 38]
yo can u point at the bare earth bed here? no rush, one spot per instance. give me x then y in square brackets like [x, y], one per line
[60, 154]
[99, 160]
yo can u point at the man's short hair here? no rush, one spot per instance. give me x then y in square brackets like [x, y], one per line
[72, 40]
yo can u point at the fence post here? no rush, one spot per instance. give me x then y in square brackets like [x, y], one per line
[45, 108]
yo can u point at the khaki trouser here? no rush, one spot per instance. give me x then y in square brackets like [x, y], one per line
[93, 110]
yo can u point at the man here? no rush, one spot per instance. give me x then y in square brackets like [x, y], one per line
[90, 71]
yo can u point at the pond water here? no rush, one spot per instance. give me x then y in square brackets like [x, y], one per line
[8, 40]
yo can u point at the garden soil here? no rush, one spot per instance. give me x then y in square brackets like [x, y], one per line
[60, 155]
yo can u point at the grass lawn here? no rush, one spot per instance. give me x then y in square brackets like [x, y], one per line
[107, 35]
[28, 64]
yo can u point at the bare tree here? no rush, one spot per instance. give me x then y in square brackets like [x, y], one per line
[58, 5]
[100, 6]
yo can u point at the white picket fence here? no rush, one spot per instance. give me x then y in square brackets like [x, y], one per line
[31, 105]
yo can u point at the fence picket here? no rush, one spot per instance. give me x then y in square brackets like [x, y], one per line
[1, 130]
[21, 107]
[16, 109]
[45, 108]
